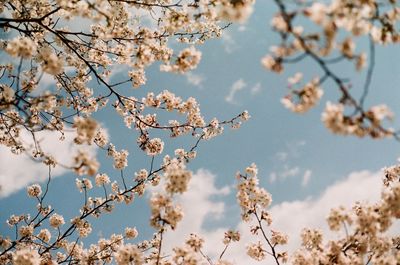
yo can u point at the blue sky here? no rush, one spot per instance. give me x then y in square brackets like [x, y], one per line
[284, 145]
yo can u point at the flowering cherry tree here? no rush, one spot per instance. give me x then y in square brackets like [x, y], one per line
[42, 40]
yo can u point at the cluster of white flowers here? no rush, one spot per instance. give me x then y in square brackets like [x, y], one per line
[50, 62]
[56, 220]
[369, 123]
[256, 251]
[347, 48]
[84, 164]
[82, 226]
[26, 230]
[317, 12]
[44, 235]
[7, 96]
[83, 184]
[102, 179]
[308, 96]
[279, 23]
[26, 256]
[131, 232]
[272, 64]
[231, 236]
[138, 78]
[22, 47]
[185, 255]
[128, 254]
[250, 196]
[101, 138]
[311, 238]
[86, 129]
[176, 175]
[187, 60]
[213, 130]
[15, 219]
[357, 19]
[120, 157]
[245, 115]
[195, 242]
[391, 174]
[34, 190]
[164, 212]
[154, 146]
[338, 217]
[237, 11]
[278, 238]
[191, 253]
[253, 201]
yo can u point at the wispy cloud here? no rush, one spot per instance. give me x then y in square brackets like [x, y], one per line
[291, 172]
[242, 28]
[228, 42]
[285, 159]
[255, 89]
[236, 86]
[195, 79]
[282, 156]
[306, 178]
[240, 85]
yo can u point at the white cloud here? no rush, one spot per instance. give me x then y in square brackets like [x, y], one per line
[292, 150]
[289, 172]
[228, 42]
[284, 159]
[195, 79]
[239, 85]
[198, 208]
[295, 147]
[311, 212]
[361, 186]
[284, 174]
[18, 171]
[282, 156]
[306, 178]
[273, 177]
[236, 86]
[242, 28]
[255, 89]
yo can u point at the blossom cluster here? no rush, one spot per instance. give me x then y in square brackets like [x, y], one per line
[308, 97]
[368, 124]
[254, 201]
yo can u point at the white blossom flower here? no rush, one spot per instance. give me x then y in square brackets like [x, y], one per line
[26, 256]
[34, 190]
[56, 220]
[22, 47]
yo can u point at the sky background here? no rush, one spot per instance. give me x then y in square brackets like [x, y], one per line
[305, 168]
